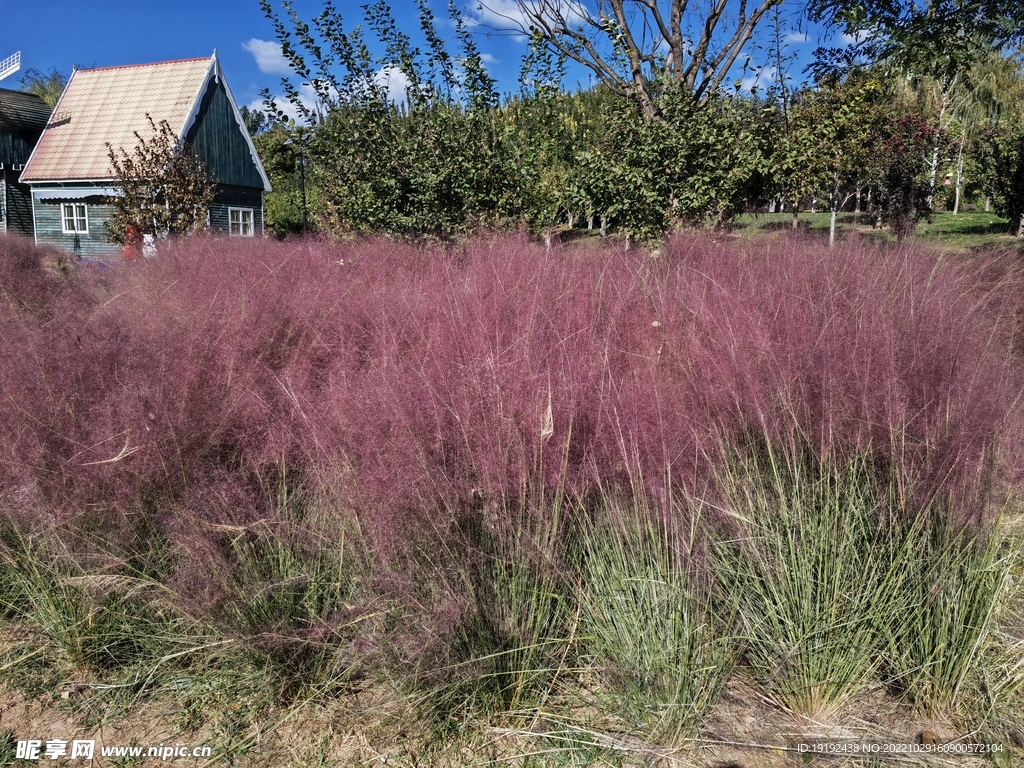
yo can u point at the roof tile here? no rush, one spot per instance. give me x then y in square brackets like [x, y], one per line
[110, 105]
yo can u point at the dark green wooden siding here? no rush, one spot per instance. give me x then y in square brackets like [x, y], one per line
[94, 243]
[15, 205]
[22, 119]
[235, 197]
[220, 142]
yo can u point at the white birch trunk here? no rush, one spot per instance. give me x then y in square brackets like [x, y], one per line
[935, 147]
[959, 177]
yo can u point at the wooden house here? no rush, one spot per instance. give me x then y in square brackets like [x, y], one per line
[22, 119]
[70, 172]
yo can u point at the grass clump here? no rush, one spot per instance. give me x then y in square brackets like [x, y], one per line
[293, 600]
[101, 619]
[808, 576]
[659, 643]
[951, 582]
[841, 587]
[513, 639]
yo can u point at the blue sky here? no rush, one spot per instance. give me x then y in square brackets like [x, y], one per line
[99, 33]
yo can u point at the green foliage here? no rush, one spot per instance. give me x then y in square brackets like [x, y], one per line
[449, 160]
[256, 121]
[432, 163]
[165, 188]
[279, 152]
[699, 165]
[46, 85]
[824, 138]
[940, 38]
[438, 171]
[548, 137]
[1002, 146]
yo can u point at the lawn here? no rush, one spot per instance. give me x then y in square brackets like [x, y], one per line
[965, 231]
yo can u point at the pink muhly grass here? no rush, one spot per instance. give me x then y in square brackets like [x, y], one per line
[413, 385]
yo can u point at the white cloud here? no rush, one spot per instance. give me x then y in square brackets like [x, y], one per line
[797, 37]
[283, 104]
[396, 83]
[268, 56]
[487, 58]
[860, 37]
[509, 15]
[307, 96]
[501, 14]
[761, 80]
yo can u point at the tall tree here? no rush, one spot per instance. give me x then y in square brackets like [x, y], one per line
[1002, 144]
[826, 143]
[431, 159]
[641, 48]
[46, 85]
[898, 170]
[940, 38]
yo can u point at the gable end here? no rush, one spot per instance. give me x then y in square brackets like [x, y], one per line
[219, 141]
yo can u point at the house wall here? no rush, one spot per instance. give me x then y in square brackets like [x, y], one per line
[91, 244]
[235, 197]
[219, 140]
[49, 224]
[15, 204]
[22, 118]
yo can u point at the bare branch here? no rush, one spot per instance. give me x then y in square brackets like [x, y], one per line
[636, 47]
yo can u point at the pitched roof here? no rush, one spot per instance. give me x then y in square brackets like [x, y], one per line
[22, 118]
[110, 104]
[21, 112]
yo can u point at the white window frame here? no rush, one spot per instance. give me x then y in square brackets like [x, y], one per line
[241, 224]
[74, 218]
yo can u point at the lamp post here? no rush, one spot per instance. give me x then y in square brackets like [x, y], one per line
[299, 141]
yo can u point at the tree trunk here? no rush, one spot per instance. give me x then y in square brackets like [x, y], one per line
[935, 147]
[834, 206]
[604, 225]
[959, 176]
[1020, 226]
[988, 203]
[796, 214]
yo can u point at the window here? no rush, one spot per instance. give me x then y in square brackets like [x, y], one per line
[75, 218]
[240, 220]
